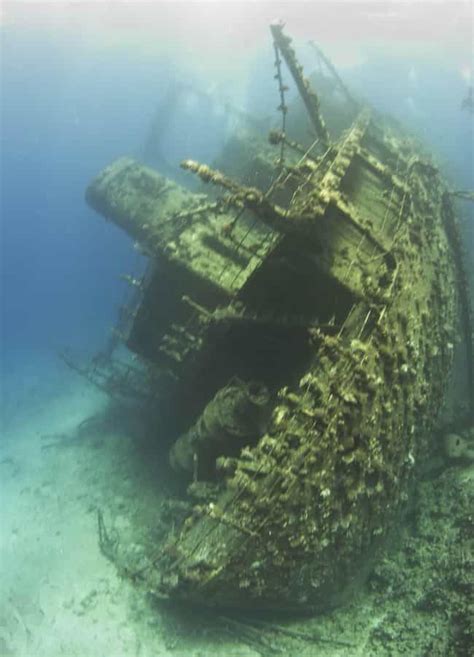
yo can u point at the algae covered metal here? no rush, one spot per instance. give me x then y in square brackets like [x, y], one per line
[306, 320]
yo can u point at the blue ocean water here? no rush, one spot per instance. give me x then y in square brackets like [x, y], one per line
[70, 107]
[63, 117]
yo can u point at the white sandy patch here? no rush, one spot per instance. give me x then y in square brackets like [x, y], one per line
[60, 595]
[52, 572]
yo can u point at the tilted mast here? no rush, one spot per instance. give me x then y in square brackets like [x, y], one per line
[308, 95]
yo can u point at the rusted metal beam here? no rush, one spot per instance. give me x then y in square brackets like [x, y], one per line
[308, 95]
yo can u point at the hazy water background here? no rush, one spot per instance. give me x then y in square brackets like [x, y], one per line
[80, 85]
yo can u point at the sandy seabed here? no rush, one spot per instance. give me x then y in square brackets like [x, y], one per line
[62, 458]
[66, 453]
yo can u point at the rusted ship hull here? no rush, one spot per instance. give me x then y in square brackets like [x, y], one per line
[337, 288]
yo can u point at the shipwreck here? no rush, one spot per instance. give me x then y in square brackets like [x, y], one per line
[304, 314]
